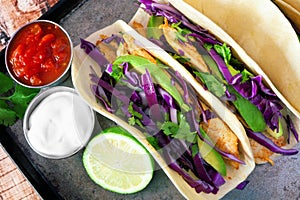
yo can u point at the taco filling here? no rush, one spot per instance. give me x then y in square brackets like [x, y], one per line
[147, 94]
[212, 63]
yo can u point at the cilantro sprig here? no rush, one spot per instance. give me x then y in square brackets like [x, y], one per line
[179, 131]
[14, 100]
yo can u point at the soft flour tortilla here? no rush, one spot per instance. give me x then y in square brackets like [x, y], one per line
[291, 10]
[80, 76]
[294, 3]
[261, 29]
[140, 21]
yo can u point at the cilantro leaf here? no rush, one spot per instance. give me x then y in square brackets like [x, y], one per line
[184, 130]
[135, 116]
[117, 72]
[154, 142]
[14, 106]
[133, 112]
[212, 84]
[179, 131]
[7, 116]
[182, 31]
[21, 98]
[6, 83]
[131, 121]
[170, 128]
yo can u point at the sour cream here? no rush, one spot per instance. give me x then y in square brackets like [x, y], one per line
[60, 125]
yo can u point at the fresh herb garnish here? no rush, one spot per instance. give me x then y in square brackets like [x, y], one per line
[14, 100]
[135, 116]
[179, 131]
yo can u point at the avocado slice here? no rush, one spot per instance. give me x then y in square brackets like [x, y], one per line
[153, 30]
[210, 155]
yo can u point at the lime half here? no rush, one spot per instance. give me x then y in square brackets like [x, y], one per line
[118, 162]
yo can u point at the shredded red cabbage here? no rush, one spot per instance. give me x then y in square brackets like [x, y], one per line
[113, 37]
[291, 128]
[131, 76]
[266, 101]
[199, 185]
[91, 49]
[269, 144]
[215, 180]
[203, 39]
[151, 96]
[100, 94]
[167, 98]
[242, 185]
[221, 64]
[173, 16]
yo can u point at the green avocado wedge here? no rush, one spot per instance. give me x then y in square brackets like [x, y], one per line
[211, 156]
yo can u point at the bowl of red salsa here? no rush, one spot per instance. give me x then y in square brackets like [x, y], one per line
[39, 54]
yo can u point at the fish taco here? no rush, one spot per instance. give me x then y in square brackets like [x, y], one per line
[129, 80]
[261, 29]
[222, 67]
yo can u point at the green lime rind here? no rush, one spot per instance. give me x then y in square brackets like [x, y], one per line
[117, 133]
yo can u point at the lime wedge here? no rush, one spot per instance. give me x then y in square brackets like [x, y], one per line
[117, 162]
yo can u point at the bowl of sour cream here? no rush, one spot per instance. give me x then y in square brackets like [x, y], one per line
[58, 123]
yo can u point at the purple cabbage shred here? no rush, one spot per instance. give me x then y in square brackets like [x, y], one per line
[242, 185]
[269, 144]
[174, 16]
[92, 50]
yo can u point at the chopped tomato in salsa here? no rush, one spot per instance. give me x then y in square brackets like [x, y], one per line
[39, 54]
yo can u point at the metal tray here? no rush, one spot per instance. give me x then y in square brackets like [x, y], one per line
[67, 179]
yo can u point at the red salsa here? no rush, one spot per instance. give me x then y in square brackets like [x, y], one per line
[39, 53]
